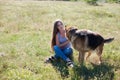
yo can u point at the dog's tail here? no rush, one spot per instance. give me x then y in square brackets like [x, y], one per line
[108, 40]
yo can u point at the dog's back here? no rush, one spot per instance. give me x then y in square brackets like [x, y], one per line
[93, 39]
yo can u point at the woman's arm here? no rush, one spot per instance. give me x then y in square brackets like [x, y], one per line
[61, 45]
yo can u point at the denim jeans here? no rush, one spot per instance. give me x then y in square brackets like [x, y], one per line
[62, 53]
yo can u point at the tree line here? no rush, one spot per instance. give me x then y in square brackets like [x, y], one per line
[94, 2]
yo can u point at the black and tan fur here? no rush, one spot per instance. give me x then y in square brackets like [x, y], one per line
[86, 41]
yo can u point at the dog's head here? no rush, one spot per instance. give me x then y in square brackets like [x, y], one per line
[70, 31]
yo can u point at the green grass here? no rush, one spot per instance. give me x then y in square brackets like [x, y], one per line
[25, 34]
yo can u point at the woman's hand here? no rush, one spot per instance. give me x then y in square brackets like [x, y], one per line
[61, 45]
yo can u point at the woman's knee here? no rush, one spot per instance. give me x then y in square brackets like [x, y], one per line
[69, 51]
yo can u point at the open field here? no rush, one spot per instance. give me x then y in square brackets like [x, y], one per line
[25, 34]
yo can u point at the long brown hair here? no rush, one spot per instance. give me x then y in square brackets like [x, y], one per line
[55, 31]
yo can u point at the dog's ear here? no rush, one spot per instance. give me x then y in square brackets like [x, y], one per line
[66, 27]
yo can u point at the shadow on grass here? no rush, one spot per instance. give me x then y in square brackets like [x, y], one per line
[101, 72]
[61, 67]
[104, 71]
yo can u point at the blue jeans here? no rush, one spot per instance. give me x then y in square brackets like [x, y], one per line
[62, 53]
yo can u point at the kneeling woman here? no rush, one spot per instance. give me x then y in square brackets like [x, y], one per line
[60, 44]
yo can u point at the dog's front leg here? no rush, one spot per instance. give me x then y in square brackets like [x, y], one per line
[81, 57]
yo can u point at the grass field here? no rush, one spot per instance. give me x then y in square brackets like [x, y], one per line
[25, 34]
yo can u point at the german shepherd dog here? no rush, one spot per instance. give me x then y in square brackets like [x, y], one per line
[86, 41]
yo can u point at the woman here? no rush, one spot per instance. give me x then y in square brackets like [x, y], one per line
[60, 44]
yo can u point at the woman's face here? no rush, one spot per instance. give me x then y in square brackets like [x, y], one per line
[60, 26]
